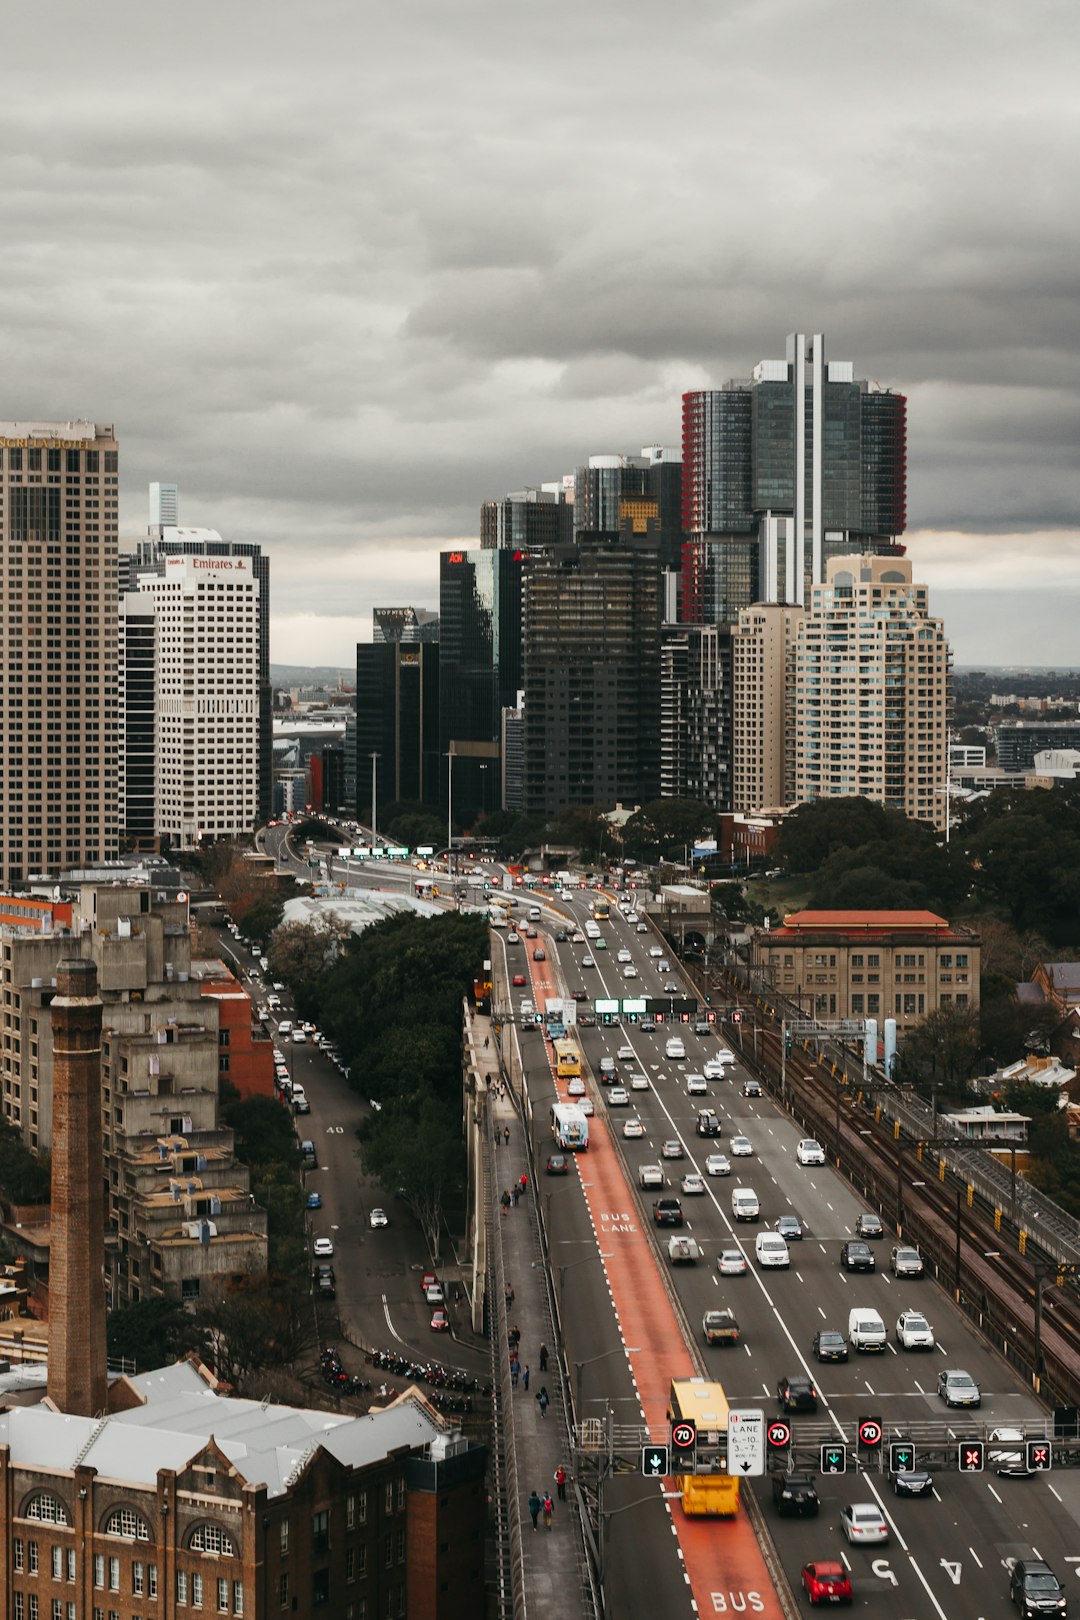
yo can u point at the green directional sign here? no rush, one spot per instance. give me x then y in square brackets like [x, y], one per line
[834, 1458]
[655, 1462]
[633, 1006]
[901, 1456]
[601, 1006]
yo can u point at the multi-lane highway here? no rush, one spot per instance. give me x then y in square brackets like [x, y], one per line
[948, 1554]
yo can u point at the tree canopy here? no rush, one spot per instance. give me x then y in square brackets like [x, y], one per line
[667, 829]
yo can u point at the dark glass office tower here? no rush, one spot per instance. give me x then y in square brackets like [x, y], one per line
[479, 671]
[526, 519]
[397, 718]
[591, 679]
[802, 459]
[608, 488]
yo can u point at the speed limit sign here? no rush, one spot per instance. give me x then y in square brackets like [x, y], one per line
[870, 1431]
[683, 1435]
[779, 1434]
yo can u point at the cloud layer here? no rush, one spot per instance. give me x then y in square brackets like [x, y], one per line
[343, 272]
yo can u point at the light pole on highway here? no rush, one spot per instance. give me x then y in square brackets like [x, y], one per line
[579, 1366]
[375, 757]
[605, 1514]
[584, 1261]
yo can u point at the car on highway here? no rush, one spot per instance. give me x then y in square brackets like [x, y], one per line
[624, 955]
[751, 1088]
[731, 1263]
[826, 1581]
[771, 1252]
[642, 928]
[378, 1218]
[530, 933]
[958, 1388]
[519, 979]
[857, 1257]
[1035, 1589]
[575, 1087]
[600, 944]
[557, 1164]
[789, 1228]
[633, 1127]
[639, 1081]
[650, 1175]
[703, 1027]
[513, 939]
[322, 1248]
[796, 1393]
[440, 1321]
[714, 1069]
[742, 1147]
[913, 1482]
[630, 972]
[718, 1164]
[526, 1008]
[663, 965]
[809, 1151]
[692, 1183]
[696, 1085]
[435, 1294]
[670, 988]
[864, 1524]
[913, 1331]
[625, 1054]
[325, 1282]
[794, 1493]
[648, 1026]
[539, 955]
[828, 1345]
[1006, 1452]
[672, 1149]
[587, 961]
[618, 1097]
[667, 1212]
[868, 1225]
[314, 1200]
[608, 1071]
[905, 1262]
[656, 953]
[720, 1327]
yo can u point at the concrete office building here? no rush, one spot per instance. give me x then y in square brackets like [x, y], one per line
[798, 463]
[207, 696]
[1016, 742]
[58, 545]
[166, 539]
[761, 700]
[695, 714]
[870, 691]
[592, 673]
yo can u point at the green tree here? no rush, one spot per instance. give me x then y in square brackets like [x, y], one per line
[942, 1046]
[258, 1322]
[24, 1179]
[667, 829]
[264, 914]
[416, 1151]
[814, 831]
[153, 1332]
[1025, 852]
[299, 952]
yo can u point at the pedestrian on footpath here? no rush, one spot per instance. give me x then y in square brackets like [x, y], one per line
[515, 1193]
[498, 1136]
[515, 1368]
[525, 1376]
[560, 1482]
[506, 1135]
[523, 1183]
[542, 1397]
[505, 1201]
[543, 1357]
[549, 1509]
[534, 1507]
[509, 1293]
[513, 1338]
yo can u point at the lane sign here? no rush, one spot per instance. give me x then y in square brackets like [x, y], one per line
[655, 1461]
[746, 1441]
[834, 1458]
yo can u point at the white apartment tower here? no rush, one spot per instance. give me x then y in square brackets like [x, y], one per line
[58, 522]
[206, 703]
[870, 685]
[760, 703]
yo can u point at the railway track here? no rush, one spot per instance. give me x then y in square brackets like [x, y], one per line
[1023, 1300]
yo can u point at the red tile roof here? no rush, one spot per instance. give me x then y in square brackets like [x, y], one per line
[854, 920]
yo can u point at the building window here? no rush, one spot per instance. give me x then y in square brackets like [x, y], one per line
[350, 1512]
[32, 1556]
[99, 1569]
[320, 1531]
[856, 960]
[181, 1586]
[320, 1586]
[196, 1591]
[283, 1591]
[46, 1508]
[238, 1597]
[58, 1563]
[127, 1523]
[211, 1538]
[114, 1574]
[962, 961]
[18, 1552]
[350, 1564]
[223, 1596]
[138, 1578]
[361, 1508]
[873, 960]
[856, 1006]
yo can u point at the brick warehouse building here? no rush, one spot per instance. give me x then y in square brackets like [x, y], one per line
[156, 1496]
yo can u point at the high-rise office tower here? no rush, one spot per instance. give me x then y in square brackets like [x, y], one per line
[591, 679]
[397, 709]
[164, 540]
[479, 672]
[609, 489]
[695, 713]
[137, 730]
[58, 519]
[760, 704]
[781, 471]
[207, 691]
[869, 691]
[526, 519]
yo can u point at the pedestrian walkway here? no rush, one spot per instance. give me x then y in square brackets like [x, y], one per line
[550, 1573]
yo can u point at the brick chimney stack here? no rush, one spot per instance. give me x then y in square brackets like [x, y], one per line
[78, 1381]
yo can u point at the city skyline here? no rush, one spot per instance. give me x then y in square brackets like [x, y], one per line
[345, 287]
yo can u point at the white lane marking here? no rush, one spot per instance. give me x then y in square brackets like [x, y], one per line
[974, 1554]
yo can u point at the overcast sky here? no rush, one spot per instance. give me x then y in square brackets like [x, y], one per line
[343, 271]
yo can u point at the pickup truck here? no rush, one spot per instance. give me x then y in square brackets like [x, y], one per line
[720, 1327]
[683, 1251]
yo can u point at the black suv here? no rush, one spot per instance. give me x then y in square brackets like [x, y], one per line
[325, 1282]
[797, 1394]
[1035, 1589]
[856, 1256]
[795, 1493]
[667, 1212]
[708, 1122]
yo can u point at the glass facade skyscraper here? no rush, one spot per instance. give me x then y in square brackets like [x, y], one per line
[480, 666]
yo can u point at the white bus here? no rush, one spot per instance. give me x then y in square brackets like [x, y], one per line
[570, 1127]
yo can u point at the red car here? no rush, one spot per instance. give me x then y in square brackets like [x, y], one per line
[519, 978]
[427, 1280]
[826, 1582]
[440, 1322]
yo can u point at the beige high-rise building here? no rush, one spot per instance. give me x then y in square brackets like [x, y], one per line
[870, 687]
[761, 668]
[58, 523]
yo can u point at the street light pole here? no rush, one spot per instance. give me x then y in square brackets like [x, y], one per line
[579, 1366]
[605, 1514]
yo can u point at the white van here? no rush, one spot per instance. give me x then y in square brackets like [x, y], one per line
[675, 1048]
[865, 1329]
[285, 1027]
[771, 1250]
[744, 1204]
[534, 913]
